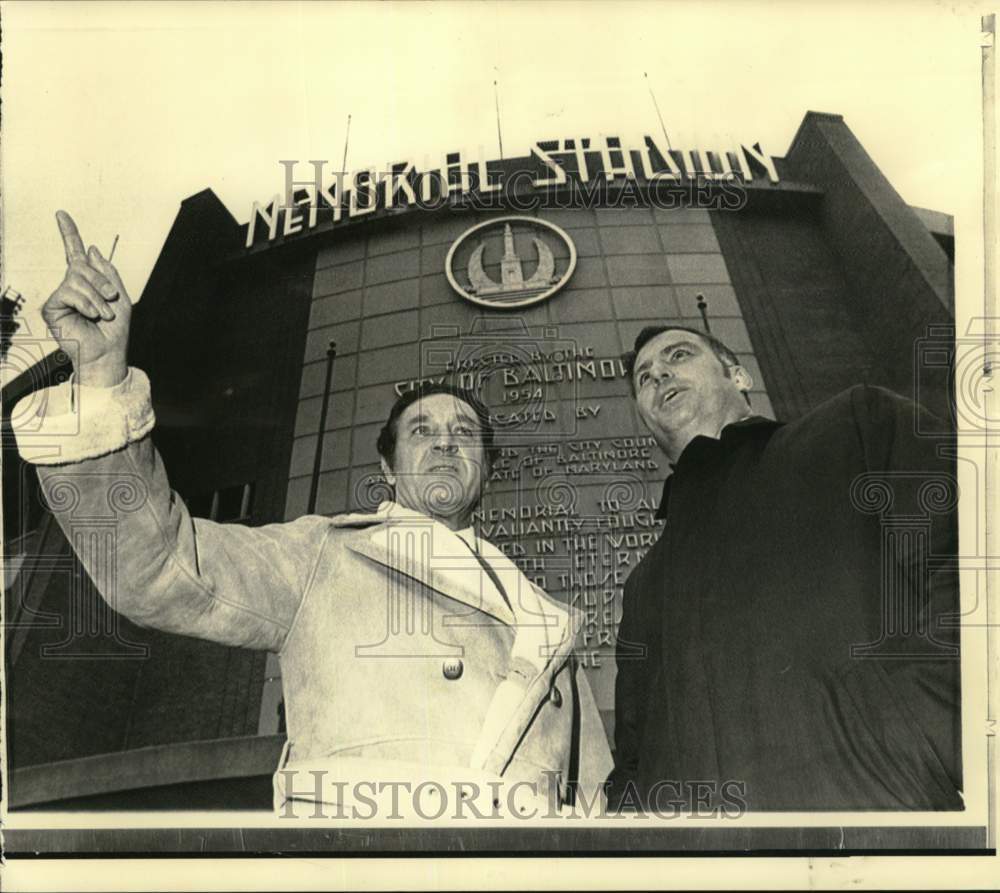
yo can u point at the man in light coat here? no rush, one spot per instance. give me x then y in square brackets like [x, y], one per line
[423, 673]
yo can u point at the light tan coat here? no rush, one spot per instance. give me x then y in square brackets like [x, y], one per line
[388, 660]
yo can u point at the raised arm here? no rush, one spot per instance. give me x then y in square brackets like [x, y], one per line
[107, 487]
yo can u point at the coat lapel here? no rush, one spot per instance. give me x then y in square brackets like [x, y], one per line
[418, 550]
[545, 630]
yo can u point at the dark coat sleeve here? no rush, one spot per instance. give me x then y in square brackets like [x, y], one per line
[635, 665]
[905, 450]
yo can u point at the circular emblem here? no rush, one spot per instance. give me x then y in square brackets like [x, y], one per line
[510, 262]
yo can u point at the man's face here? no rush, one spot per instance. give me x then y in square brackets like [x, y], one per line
[439, 463]
[683, 390]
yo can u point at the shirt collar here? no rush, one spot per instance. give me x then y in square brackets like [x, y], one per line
[733, 433]
[393, 511]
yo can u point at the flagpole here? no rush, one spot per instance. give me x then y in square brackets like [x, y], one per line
[496, 101]
[656, 105]
[331, 354]
[343, 164]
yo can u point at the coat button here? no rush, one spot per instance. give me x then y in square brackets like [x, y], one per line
[452, 668]
[556, 697]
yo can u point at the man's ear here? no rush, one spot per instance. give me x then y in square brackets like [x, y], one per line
[387, 472]
[743, 379]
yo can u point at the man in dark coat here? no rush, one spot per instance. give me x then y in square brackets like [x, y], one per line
[791, 640]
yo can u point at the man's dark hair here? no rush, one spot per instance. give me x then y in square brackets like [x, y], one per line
[386, 443]
[722, 352]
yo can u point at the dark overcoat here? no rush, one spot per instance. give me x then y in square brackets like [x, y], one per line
[794, 631]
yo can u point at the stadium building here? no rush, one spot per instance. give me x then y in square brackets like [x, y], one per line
[526, 278]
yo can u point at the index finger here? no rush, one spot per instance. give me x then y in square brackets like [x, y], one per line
[70, 236]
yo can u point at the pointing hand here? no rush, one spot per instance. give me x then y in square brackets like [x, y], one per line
[89, 313]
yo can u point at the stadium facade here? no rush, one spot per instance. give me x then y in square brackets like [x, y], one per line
[525, 278]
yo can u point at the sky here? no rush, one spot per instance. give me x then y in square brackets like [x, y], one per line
[118, 111]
